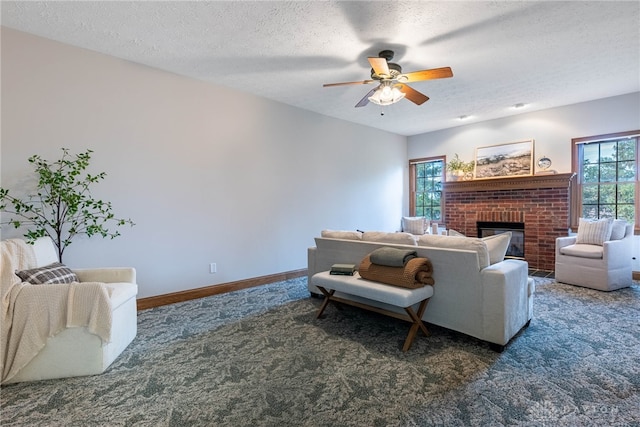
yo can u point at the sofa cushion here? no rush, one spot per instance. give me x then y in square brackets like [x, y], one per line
[393, 238]
[338, 234]
[583, 251]
[594, 232]
[414, 224]
[463, 243]
[497, 246]
[618, 229]
[49, 274]
[45, 252]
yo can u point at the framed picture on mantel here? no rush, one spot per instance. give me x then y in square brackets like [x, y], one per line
[504, 160]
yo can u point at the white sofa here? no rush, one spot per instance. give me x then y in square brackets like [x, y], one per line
[75, 351]
[604, 267]
[491, 301]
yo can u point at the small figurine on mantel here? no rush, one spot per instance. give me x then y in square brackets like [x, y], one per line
[544, 163]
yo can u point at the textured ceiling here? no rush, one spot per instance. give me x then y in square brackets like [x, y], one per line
[543, 54]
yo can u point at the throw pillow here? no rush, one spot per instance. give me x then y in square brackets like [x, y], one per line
[594, 232]
[413, 224]
[464, 243]
[49, 274]
[454, 233]
[392, 238]
[497, 246]
[618, 229]
[337, 234]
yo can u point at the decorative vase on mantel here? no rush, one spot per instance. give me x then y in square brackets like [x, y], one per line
[457, 175]
[460, 170]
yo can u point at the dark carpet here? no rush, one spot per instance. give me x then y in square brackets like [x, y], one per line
[258, 357]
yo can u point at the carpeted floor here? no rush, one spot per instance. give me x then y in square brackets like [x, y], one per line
[258, 357]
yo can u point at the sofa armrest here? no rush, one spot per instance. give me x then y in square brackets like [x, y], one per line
[311, 269]
[107, 275]
[618, 253]
[505, 308]
[562, 242]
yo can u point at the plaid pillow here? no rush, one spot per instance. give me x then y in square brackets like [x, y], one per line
[49, 274]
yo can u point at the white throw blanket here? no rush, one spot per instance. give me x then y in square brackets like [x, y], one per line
[33, 313]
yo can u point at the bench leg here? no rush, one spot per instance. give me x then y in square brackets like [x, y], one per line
[412, 316]
[327, 298]
[417, 324]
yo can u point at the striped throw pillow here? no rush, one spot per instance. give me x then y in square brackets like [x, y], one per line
[594, 232]
[49, 274]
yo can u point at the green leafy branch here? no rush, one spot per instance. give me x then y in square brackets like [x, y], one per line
[62, 207]
[457, 164]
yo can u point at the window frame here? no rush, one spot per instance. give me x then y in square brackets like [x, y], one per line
[576, 164]
[412, 182]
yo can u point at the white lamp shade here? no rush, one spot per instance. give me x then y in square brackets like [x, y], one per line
[386, 95]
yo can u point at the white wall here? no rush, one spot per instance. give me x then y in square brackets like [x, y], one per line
[208, 174]
[551, 129]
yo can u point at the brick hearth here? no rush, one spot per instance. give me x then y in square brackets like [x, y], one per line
[541, 202]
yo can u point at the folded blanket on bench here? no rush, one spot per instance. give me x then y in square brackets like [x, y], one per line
[415, 274]
[392, 257]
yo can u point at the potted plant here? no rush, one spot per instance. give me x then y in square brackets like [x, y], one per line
[62, 206]
[459, 169]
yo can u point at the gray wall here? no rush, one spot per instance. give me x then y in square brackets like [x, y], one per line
[208, 174]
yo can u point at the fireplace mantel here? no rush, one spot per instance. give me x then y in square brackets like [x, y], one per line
[559, 180]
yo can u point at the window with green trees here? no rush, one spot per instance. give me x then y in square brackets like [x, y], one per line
[607, 176]
[426, 178]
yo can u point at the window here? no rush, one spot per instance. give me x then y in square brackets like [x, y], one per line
[606, 167]
[426, 177]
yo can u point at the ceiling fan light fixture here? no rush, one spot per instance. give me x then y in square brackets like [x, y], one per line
[393, 83]
[386, 94]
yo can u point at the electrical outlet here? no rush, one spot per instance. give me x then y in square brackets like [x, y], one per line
[213, 268]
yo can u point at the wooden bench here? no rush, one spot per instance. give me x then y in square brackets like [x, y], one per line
[393, 295]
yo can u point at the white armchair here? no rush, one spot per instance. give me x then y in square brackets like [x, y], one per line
[85, 326]
[606, 267]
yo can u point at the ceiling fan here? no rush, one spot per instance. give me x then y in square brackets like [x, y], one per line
[392, 82]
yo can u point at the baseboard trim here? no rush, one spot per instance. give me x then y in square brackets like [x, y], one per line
[636, 275]
[172, 298]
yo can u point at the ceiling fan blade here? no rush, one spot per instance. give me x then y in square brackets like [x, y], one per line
[413, 95]
[435, 73]
[364, 101]
[380, 66]
[363, 82]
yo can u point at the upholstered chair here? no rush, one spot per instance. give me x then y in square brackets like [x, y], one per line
[58, 322]
[598, 257]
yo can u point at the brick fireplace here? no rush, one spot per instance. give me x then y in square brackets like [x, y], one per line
[541, 202]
